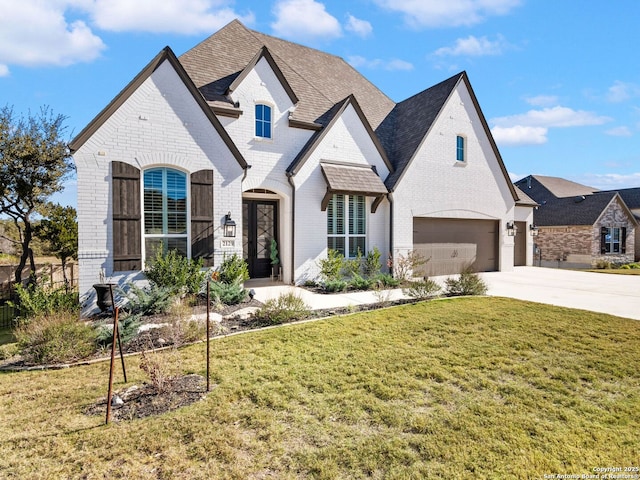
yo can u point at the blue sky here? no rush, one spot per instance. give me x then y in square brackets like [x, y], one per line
[558, 81]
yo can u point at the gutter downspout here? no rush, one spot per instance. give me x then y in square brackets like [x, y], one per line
[293, 226]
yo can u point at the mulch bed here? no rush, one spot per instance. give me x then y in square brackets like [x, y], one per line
[147, 400]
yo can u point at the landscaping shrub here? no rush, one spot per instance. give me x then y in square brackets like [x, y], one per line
[468, 283]
[172, 270]
[128, 326]
[386, 280]
[233, 269]
[228, 293]
[337, 285]
[285, 308]
[603, 264]
[332, 266]
[40, 299]
[371, 265]
[60, 338]
[360, 283]
[423, 289]
[407, 265]
[149, 300]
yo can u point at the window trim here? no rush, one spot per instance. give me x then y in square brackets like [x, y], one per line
[255, 120]
[461, 150]
[347, 223]
[187, 234]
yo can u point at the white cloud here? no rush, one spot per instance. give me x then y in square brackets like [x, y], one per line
[542, 100]
[304, 19]
[38, 33]
[552, 117]
[361, 28]
[619, 132]
[621, 91]
[4, 70]
[609, 181]
[519, 135]
[164, 16]
[452, 13]
[531, 128]
[377, 63]
[474, 47]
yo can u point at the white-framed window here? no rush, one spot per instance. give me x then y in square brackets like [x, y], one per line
[165, 211]
[347, 224]
[612, 239]
[460, 148]
[263, 121]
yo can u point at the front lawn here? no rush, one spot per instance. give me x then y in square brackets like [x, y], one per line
[455, 388]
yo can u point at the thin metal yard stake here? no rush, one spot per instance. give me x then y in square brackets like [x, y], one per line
[113, 305]
[113, 357]
[208, 340]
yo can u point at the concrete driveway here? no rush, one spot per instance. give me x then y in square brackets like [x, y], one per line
[614, 294]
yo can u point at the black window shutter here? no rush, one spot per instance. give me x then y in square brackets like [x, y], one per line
[127, 228]
[202, 225]
[603, 239]
[623, 240]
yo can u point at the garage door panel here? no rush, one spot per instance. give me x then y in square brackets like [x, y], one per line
[451, 245]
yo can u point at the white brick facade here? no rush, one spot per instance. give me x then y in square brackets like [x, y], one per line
[437, 185]
[160, 124]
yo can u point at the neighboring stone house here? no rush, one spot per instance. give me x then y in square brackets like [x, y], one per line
[631, 197]
[294, 145]
[577, 225]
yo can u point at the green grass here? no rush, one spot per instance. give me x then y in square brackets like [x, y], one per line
[457, 388]
[617, 271]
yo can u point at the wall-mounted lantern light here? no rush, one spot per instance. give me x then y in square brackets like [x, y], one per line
[511, 229]
[229, 226]
[533, 230]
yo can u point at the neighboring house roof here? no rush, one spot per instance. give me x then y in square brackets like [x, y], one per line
[631, 197]
[166, 54]
[562, 188]
[524, 200]
[563, 202]
[318, 79]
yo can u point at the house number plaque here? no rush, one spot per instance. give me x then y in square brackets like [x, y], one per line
[227, 243]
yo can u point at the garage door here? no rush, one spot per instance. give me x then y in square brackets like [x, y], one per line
[451, 245]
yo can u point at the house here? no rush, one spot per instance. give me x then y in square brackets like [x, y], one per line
[290, 144]
[631, 197]
[579, 226]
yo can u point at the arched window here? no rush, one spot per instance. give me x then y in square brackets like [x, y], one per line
[165, 211]
[263, 121]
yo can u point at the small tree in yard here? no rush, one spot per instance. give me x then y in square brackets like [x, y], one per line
[34, 161]
[60, 230]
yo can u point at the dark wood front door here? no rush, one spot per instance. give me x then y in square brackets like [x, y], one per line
[259, 227]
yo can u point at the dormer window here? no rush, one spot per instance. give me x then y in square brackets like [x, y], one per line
[263, 121]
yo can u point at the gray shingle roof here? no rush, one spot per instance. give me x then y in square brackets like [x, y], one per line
[404, 129]
[578, 205]
[319, 80]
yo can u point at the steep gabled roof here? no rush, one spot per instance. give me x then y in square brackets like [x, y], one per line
[631, 197]
[166, 54]
[405, 128]
[264, 53]
[320, 80]
[330, 118]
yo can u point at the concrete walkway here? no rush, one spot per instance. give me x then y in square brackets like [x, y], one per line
[614, 294]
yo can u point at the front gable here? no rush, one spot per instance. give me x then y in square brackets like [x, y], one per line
[436, 183]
